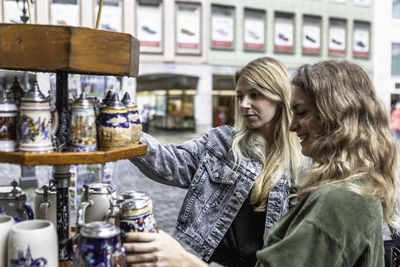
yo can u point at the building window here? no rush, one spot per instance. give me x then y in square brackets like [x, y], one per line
[112, 15]
[254, 30]
[12, 11]
[149, 26]
[65, 12]
[284, 33]
[395, 58]
[396, 9]
[188, 28]
[222, 27]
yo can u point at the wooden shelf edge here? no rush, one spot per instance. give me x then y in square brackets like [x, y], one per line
[73, 158]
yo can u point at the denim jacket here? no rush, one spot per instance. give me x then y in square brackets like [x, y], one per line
[216, 192]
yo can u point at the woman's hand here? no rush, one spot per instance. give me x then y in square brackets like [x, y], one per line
[157, 249]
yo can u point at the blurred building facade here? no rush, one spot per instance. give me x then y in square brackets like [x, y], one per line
[387, 51]
[191, 49]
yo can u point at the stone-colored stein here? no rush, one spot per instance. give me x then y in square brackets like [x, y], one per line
[135, 125]
[114, 129]
[38, 123]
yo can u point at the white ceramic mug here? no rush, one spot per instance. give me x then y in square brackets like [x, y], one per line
[96, 203]
[34, 242]
[45, 204]
[6, 222]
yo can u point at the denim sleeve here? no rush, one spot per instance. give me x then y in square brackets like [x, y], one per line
[170, 164]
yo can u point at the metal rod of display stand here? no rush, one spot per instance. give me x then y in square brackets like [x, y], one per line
[62, 173]
[62, 178]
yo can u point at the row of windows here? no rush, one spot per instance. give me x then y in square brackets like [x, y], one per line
[224, 31]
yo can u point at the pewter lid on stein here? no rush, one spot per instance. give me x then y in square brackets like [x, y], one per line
[128, 102]
[136, 204]
[5, 100]
[100, 188]
[107, 97]
[15, 92]
[83, 101]
[50, 191]
[114, 103]
[133, 194]
[11, 192]
[100, 230]
[34, 94]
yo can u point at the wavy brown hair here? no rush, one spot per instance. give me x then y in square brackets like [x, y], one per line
[356, 143]
[271, 78]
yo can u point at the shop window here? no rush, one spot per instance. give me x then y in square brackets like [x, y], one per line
[13, 10]
[65, 12]
[188, 28]
[222, 27]
[284, 33]
[362, 2]
[311, 35]
[149, 22]
[396, 9]
[361, 40]
[112, 15]
[395, 59]
[337, 37]
[254, 30]
[223, 97]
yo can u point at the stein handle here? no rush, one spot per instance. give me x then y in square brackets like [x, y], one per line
[82, 211]
[43, 208]
[54, 122]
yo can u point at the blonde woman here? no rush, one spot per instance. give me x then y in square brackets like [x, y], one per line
[346, 193]
[238, 179]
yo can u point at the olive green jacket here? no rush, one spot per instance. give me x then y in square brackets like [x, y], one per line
[331, 227]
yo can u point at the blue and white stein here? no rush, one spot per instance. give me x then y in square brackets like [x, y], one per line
[114, 129]
[13, 200]
[134, 119]
[136, 214]
[99, 244]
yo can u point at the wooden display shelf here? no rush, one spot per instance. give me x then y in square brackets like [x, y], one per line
[73, 158]
[50, 48]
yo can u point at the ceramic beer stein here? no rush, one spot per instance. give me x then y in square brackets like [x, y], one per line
[96, 203]
[114, 129]
[15, 92]
[33, 243]
[82, 135]
[14, 202]
[8, 123]
[45, 204]
[6, 222]
[37, 122]
[135, 125]
[99, 244]
[136, 214]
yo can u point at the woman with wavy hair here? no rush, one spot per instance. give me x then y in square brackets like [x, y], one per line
[346, 193]
[237, 178]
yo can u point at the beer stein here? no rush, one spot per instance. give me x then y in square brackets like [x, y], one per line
[135, 125]
[33, 243]
[37, 122]
[136, 214]
[14, 202]
[45, 204]
[15, 92]
[96, 203]
[114, 125]
[82, 136]
[8, 123]
[99, 244]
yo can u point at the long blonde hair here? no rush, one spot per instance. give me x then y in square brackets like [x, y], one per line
[356, 143]
[271, 78]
